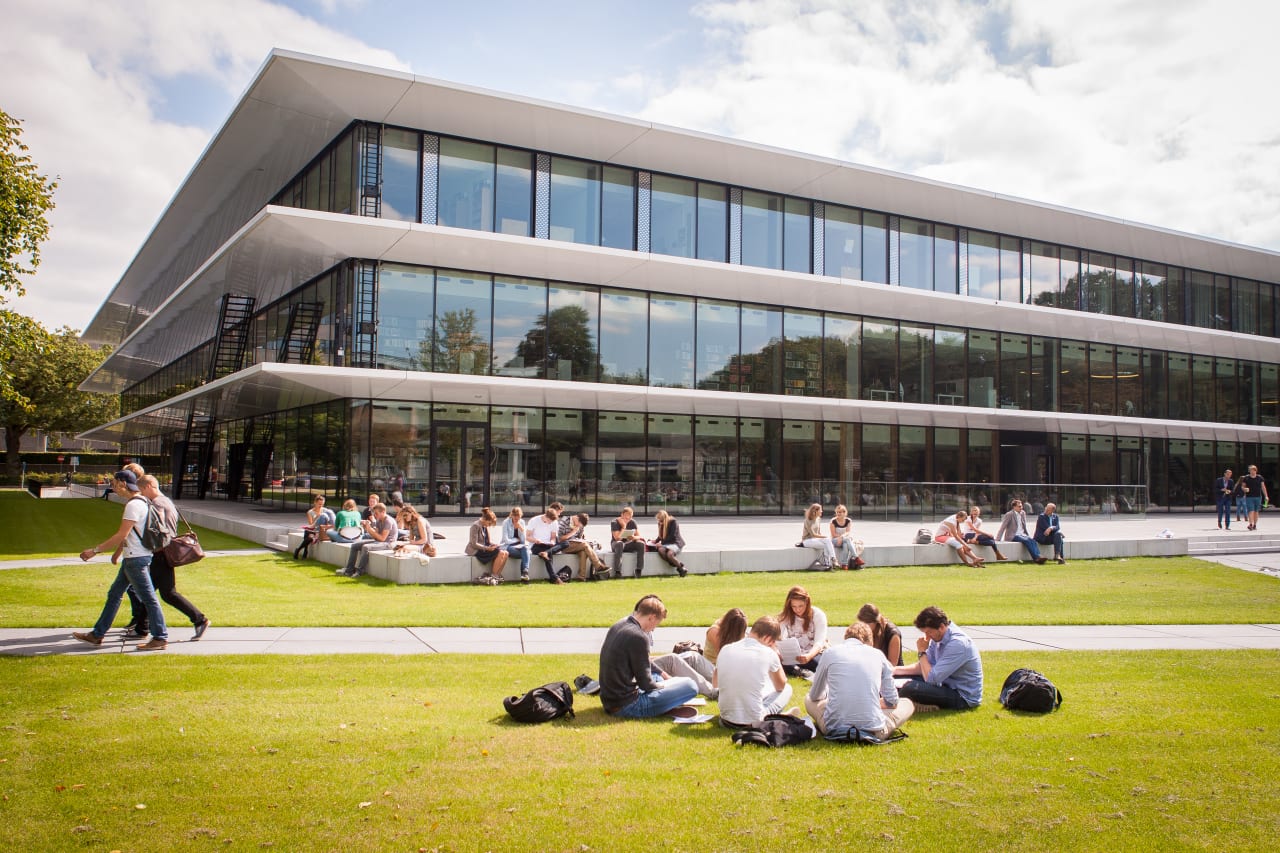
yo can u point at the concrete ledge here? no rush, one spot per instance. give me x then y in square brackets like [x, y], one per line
[460, 568]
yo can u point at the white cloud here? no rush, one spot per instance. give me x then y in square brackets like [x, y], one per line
[1152, 110]
[86, 79]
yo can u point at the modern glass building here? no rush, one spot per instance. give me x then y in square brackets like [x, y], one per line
[372, 280]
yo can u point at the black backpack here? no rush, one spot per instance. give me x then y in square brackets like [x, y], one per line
[541, 703]
[155, 533]
[1028, 690]
[776, 730]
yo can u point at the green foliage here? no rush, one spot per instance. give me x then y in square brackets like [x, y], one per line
[42, 371]
[26, 197]
[1164, 751]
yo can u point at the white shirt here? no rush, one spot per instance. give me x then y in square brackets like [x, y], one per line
[742, 676]
[136, 511]
[817, 632]
[543, 532]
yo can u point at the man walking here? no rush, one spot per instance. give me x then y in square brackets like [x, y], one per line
[949, 672]
[629, 685]
[134, 562]
[1049, 531]
[1224, 491]
[1013, 528]
[162, 573]
[854, 688]
[1254, 490]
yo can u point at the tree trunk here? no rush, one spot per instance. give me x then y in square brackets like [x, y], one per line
[12, 460]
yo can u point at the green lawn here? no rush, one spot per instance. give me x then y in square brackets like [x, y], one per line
[61, 527]
[273, 589]
[1150, 751]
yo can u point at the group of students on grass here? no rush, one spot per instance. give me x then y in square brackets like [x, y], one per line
[860, 683]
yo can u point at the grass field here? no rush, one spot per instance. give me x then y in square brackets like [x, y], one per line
[1159, 750]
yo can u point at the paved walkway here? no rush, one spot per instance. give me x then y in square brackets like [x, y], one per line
[33, 642]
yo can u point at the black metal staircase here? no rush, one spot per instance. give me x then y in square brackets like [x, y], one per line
[299, 343]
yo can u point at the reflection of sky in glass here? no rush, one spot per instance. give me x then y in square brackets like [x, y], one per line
[623, 337]
[517, 306]
[400, 175]
[671, 342]
[404, 317]
[984, 266]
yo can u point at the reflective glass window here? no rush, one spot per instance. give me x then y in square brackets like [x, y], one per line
[400, 183]
[1269, 394]
[879, 463]
[462, 323]
[1099, 277]
[980, 460]
[343, 176]
[466, 184]
[842, 461]
[945, 259]
[1151, 291]
[841, 356]
[947, 457]
[1266, 309]
[671, 334]
[1179, 373]
[842, 242]
[1102, 466]
[802, 353]
[875, 247]
[915, 254]
[761, 362]
[565, 470]
[622, 469]
[801, 465]
[1222, 302]
[984, 366]
[1069, 276]
[1155, 388]
[1015, 372]
[516, 437]
[1244, 308]
[405, 297]
[1073, 377]
[761, 230]
[880, 361]
[618, 208]
[519, 312]
[1125, 297]
[717, 353]
[760, 466]
[515, 192]
[713, 222]
[1044, 275]
[1010, 269]
[1202, 388]
[673, 216]
[715, 465]
[949, 366]
[1175, 296]
[1043, 382]
[669, 481]
[1128, 382]
[797, 242]
[915, 348]
[624, 337]
[913, 454]
[984, 265]
[1227, 391]
[1203, 303]
[572, 328]
[1102, 379]
[575, 201]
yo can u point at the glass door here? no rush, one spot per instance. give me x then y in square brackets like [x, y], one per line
[459, 469]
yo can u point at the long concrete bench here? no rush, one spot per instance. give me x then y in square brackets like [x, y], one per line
[459, 568]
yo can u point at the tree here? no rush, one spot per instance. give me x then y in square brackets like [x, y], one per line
[43, 370]
[560, 339]
[26, 197]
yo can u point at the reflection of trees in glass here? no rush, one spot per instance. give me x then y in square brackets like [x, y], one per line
[561, 337]
[457, 346]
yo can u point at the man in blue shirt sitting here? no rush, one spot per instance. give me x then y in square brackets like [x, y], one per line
[949, 671]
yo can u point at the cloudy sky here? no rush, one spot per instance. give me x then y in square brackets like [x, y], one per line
[1160, 111]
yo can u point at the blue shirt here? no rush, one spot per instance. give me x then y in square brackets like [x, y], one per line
[956, 665]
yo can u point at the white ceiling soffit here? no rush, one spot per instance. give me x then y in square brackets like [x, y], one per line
[298, 103]
[281, 248]
[266, 388]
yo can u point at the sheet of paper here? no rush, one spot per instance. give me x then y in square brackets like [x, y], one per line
[788, 649]
[700, 718]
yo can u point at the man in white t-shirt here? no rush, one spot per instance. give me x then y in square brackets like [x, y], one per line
[134, 563]
[854, 688]
[544, 534]
[749, 676]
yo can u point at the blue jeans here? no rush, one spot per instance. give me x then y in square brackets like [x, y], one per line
[1054, 539]
[1224, 511]
[1030, 544]
[923, 693]
[521, 552]
[671, 693]
[133, 572]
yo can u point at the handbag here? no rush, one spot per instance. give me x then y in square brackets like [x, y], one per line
[184, 549]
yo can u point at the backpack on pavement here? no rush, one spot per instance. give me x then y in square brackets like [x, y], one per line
[541, 704]
[1028, 690]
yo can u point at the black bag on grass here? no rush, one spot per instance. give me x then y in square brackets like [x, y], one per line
[541, 704]
[1028, 690]
[776, 730]
[853, 734]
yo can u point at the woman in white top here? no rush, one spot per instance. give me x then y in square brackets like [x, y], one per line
[815, 538]
[807, 624]
[842, 539]
[948, 533]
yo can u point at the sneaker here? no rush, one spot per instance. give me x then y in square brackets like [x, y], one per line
[200, 629]
[1040, 561]
[135, 630]
[681, 570]
[87, 637]
[153, 645]
[1061, 561]
[524, 578]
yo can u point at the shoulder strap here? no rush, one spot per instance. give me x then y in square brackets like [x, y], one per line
[145, 518]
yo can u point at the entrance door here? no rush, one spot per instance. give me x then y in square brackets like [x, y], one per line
[459, 469]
